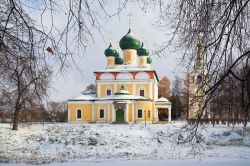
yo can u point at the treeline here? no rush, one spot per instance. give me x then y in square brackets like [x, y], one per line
[48, 112]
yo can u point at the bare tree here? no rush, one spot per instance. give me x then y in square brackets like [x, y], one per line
[222, 29]
[57, 111]
[91, 88]
[31, 40]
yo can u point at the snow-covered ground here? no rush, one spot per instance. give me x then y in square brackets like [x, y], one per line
[50, 143]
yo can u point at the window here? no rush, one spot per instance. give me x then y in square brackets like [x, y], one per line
[148, 113]
[101, 113]
[108, 92]
[79, 114]
[142, 92]
[199, 79]
[139, 113]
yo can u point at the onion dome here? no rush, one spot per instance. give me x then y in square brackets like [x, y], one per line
[129, 42]
[118, 59]
[142, 51]
[110, 51]
[149, 60]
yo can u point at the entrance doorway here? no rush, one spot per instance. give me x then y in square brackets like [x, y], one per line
[163, 114]
[119, 116]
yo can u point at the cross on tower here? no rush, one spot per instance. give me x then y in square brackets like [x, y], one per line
[110, 36]
[130, 19]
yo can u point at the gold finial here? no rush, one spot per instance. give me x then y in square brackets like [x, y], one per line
[130, 19]
[142, 34]
[110, 36]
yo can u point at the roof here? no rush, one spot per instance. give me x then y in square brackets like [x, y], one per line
[162, 100]
[110, 97]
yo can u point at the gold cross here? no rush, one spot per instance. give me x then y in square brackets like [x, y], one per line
[110, 36]
[142, 34]
[130, 19]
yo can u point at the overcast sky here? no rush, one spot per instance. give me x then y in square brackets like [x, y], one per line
[74, 81]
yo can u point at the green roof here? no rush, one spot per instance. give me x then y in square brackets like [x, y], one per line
[142, 51]
[118, 60]
[110, 51]
[129, 42]
[149, 60]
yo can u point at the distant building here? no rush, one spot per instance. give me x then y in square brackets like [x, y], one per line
[197, 87]
[126, 91]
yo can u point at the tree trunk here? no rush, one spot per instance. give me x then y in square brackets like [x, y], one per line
[16, 118]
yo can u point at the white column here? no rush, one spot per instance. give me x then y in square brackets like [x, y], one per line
[93, 112]
[134, 90]
[113, 113]
[133, 112]
[127, 112]
[68, 115]
[115, 87]
[150, 90]
[108, 113]
[169, 114]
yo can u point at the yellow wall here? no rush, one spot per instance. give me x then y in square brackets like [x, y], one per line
[86, 111]
[145, 106]
[146, 88]
[104, 88]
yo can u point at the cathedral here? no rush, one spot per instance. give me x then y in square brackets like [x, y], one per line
[126, 90]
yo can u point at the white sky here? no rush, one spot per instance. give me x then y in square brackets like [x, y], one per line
[73, 81]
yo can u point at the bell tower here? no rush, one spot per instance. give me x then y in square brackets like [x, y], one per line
[197, 84]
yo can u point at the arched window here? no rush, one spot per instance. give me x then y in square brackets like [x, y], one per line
[142, 91]
[101, 113]
[79, 114]
[139, 113]
[199, 79]
[108, 92]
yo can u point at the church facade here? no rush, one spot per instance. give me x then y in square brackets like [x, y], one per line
[126, 91]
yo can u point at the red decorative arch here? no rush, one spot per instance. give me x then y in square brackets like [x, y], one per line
[133, 74]
[151, 74]
[115, 74]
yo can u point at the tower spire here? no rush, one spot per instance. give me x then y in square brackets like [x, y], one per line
[199, 56]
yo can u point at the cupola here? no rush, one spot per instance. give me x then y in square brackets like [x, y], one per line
[110, 54]
[129, 44]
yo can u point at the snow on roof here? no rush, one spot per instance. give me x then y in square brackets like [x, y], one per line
[110, 97]
[163, 100]
[84, 97]
[122, 97]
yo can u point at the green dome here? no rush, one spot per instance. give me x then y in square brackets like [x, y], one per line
[149, 60]
[142, 51]
[129, 42]
[110, 51]
[118, 60]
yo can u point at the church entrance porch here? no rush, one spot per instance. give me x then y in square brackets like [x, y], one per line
[163, 114]
[163, 110]
[120, 115]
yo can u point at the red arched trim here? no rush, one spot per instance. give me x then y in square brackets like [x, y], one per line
[133, 74]
[151, 74]
[115, 74]
[98, 75]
